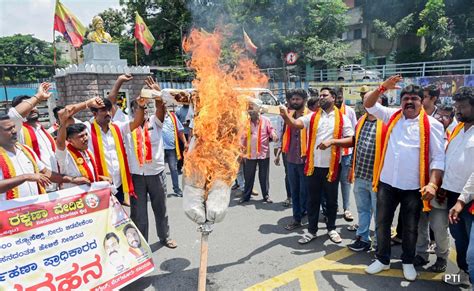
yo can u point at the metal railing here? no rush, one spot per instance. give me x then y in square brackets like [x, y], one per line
[420, 69]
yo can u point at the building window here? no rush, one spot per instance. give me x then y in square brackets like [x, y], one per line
[357, 33]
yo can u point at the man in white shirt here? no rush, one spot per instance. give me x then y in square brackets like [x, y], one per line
[430, 99]
[115, 163]
[458, 175]
[400, 178]
[25, 115]
[346, 160]
[147, 169]
[75, 159]
[22, 174]
[318, 172]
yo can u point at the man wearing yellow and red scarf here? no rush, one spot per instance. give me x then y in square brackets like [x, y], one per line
[257, 148]
[22, 174]
[147, 164]
[410, 170]
[25, 115]
[74, 157]
[458, 183]
[293, 146]
[322, 167]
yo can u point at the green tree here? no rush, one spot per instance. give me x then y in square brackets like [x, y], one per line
[26, 50]
[436, 30]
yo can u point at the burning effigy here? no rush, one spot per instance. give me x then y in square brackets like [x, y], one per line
[211, 163]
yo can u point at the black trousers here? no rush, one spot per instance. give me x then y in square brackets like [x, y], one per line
[317, 185]
[155, 187]
[250, 167]
[388, 199]
[181, 150]
[287, 180]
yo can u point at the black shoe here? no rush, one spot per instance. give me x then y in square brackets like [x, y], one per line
[359, 246]
[235, 186]
[439, 266]
[419, 261]
[243, 200]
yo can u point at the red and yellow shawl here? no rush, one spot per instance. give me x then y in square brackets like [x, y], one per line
[335, 150]
[287, 138]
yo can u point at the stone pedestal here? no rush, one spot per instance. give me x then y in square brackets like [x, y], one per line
[103, 54]
[96, 77]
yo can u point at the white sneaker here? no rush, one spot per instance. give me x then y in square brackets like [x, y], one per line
[409, 272]
[376, 267]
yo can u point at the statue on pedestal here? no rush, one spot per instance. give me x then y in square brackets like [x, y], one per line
[99, 35]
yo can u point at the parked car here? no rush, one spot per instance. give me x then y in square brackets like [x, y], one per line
[357, 72]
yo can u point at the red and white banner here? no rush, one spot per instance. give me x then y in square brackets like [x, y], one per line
[78, 238]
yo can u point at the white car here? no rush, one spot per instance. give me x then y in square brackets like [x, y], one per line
[356, 72]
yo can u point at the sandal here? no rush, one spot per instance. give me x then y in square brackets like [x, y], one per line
[307, 238]
[334, 237]
[170, 243]
[293, 225]
[348, 216]
[353, 227]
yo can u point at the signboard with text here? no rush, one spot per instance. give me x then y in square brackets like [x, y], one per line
[70, 239]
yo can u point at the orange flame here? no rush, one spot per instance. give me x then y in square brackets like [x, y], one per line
[221, 111]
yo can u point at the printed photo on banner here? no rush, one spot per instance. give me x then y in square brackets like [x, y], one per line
[74, 239]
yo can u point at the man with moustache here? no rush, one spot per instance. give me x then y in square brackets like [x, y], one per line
[257, 146]
[114, 257]
[294, 148]
[322, 167]
[457, 182]
[31, 132]
[106, 142]
[410, 170]
[134, 241]
[22, 173]
[74, 158]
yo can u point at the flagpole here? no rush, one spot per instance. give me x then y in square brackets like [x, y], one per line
[136, 53]
[54, 48]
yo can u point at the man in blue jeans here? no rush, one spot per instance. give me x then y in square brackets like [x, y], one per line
[172, 131]
[365, 143]
[294, 148]
[346, 160]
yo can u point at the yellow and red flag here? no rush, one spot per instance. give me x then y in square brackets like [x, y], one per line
[143, 34]
[249, 45]
[68, 25]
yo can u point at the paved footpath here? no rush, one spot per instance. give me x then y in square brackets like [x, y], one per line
[252, 250]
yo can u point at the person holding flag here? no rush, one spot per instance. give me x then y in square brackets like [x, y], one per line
[143, 34]
[412, 162]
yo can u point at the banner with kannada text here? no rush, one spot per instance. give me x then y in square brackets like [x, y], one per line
[78, 238]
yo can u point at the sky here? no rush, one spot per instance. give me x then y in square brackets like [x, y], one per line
[37, 16]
